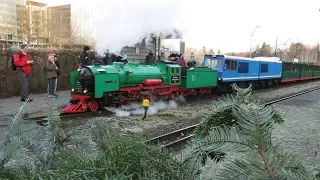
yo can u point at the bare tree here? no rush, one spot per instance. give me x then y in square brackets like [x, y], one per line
[59, 25]
[296, 50]
[24, 23]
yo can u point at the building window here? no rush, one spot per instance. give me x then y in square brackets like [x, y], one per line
[264, 68]
[9, 37]
[243, 67]
[137, 50]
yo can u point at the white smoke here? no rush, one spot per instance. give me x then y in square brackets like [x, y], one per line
[137, 109]
[119, 23]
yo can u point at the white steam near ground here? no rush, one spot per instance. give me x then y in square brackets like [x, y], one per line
[137, 109]
[121, 23]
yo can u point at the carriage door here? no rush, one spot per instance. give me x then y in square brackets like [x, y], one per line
[230, 70]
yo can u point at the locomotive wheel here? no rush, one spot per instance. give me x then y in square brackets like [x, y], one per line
[93, 105]
[172, 96]
[115, 105]
[124, 103]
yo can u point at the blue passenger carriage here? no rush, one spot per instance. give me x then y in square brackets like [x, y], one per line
[258, 71]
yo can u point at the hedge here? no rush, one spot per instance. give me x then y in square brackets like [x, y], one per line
[9, 81]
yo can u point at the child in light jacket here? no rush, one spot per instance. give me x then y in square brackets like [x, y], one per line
[51, 72]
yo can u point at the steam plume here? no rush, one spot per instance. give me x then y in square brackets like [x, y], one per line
[137, 109]
[125, 22]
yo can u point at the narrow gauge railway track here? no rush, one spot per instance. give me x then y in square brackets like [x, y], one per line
[176, 140]
[67, 116]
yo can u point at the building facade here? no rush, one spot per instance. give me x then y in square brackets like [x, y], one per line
[8, 22]
[35, 23]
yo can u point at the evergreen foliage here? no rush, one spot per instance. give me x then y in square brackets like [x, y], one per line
[245, 127]
[15, 147]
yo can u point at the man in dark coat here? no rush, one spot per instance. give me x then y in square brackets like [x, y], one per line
[107, 59]
[113, 58]
[84, 57]
[149, 58]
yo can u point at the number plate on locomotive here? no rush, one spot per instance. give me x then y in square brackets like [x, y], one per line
[174, 79]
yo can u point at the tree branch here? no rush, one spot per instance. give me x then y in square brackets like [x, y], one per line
[261, 148]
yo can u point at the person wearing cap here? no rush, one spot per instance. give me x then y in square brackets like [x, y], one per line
[51, 72]
[84, 57]
[174, 58]
[57, 70]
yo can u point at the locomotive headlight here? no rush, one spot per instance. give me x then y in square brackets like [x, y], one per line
[72, 89]
[85, 90]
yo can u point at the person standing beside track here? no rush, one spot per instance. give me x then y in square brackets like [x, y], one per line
[24, 67]
[57, 70]
[145, 104]
[51, 71]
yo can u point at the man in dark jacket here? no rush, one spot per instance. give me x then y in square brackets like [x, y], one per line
[149, 59]
[57, 71]
[113, 58]
[107, 59]
[84, 58]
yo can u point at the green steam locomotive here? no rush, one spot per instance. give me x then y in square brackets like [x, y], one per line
[98, 86]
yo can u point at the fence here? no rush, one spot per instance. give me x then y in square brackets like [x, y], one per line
[9, 81]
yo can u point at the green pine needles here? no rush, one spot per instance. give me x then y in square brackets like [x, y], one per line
[15, 146]
[240, 125]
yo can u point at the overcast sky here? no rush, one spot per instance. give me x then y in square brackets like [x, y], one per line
[228, 24]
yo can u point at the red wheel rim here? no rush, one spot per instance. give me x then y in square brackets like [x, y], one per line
[124, 103]
[93, 106]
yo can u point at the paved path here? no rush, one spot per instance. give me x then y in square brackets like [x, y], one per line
[10, 106]
[300, 133]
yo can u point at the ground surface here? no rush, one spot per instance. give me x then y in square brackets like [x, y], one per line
[162, 118]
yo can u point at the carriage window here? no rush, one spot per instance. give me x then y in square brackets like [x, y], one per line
[264, 68]
[172, 70]
[227, 64]
[289, 67]
[243, 67]
[177, 70]
[231, 65]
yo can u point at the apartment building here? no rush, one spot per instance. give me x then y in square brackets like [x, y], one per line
[8, 21]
